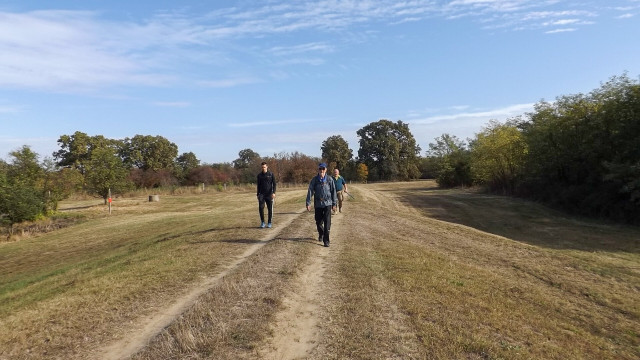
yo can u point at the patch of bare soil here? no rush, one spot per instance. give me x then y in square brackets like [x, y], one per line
[295, 329]
[306, 328]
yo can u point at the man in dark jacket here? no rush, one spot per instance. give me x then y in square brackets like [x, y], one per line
[323, 190]
[266, 193]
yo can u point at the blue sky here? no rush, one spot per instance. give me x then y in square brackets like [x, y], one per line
[216, 77]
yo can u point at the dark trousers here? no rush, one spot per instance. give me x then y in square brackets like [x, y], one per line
[323, 222]
[262, 200]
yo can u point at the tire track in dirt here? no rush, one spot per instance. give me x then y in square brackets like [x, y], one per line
[295, 330]
[145, 329]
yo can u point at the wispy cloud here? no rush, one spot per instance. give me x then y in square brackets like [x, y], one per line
[269, 123]
[556, 31]
[56, 50]
[462, 124]
[301, 48]
[500, 113]
[231, 82]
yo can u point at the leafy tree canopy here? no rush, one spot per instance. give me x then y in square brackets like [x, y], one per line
[105, 171]
[76, 149]
[246, 158]
[389, 150]
[148, 152]
[336, 150]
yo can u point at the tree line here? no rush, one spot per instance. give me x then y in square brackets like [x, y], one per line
[580, 153]
[100, 166]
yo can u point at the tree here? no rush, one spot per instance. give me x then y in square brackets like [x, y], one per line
[247, 165]
[246, 158]
[21, 187]
[20, 203]
[76, 149]
[202, 174]
[25, 169]
[452, 159]
[148, 152]
[295, 167]
[363, 172]
[389, 150]
[153, 156]
[498, 156]
[59, 183]
[185, 163]
[583, 151]
[336, 150]
[104, 171]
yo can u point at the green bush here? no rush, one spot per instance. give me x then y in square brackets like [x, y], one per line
[21, 203]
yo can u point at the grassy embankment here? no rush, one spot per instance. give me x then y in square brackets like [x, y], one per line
[415, 272]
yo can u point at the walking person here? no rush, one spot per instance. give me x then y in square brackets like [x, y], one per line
[341, 185]
[266, 193]
[323, 190]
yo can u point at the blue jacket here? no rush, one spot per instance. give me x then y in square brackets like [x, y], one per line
[323, 192]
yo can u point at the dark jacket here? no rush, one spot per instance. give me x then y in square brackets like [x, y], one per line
[323, 192]
[266, 183]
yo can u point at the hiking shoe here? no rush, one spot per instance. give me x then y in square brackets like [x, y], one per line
[320, 237]
[326, 244]
[269, 225]
[262, 226]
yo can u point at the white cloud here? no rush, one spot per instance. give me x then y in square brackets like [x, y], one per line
[301, 48]
[626, 16]
[462, 124]
[556, 31]
[71, 51]
[505, 112]
[561, 22]
[58, 49]
[269, 123]
[231, 82]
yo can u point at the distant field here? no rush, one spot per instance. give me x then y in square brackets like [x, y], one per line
[413, 272]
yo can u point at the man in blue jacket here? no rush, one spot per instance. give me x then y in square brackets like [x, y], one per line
[323, 190]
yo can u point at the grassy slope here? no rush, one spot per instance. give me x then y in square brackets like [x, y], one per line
[411, 278]
[68, 291]
[557, 288]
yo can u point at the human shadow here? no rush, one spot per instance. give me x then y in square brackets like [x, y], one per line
[307, 239]
[237, 241]
[168, 237]
[522, 220]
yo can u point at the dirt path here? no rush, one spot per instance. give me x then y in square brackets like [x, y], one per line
[295, 330]
[142, 332]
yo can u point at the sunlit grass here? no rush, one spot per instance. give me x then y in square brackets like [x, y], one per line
[413, 272]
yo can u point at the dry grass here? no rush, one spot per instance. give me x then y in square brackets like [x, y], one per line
[68, 291]
[469, 294]
[413, 272]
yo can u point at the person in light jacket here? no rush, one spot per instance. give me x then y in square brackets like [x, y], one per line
[323, 190]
